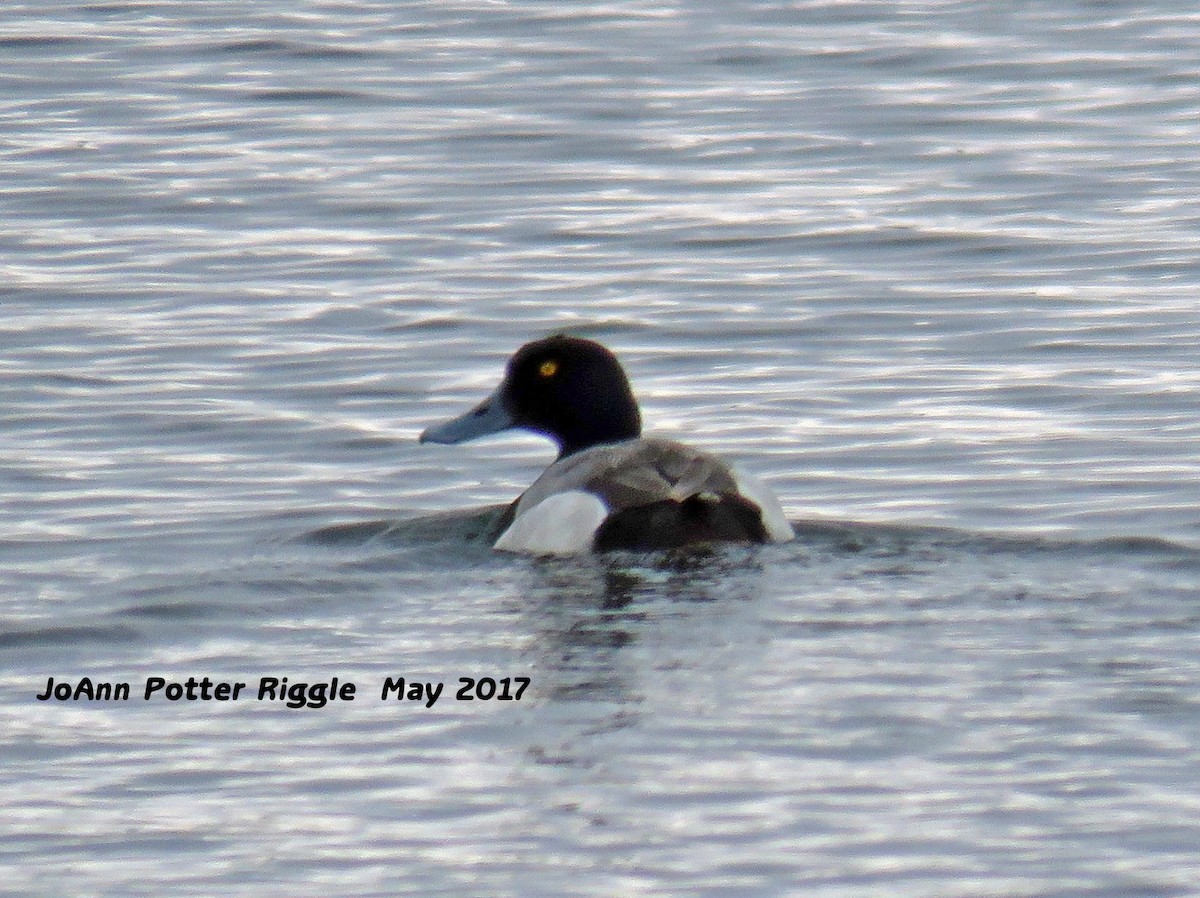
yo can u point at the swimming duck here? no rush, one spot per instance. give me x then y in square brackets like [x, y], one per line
[610, 487]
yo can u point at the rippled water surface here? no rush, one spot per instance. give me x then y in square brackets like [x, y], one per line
[930, 270]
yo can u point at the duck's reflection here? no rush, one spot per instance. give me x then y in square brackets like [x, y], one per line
[588, 611]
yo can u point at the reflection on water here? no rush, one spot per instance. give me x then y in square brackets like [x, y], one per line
[586, 611]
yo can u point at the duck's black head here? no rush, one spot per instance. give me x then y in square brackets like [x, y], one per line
[572, 390]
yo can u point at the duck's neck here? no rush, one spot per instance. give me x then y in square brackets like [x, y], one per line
[607, 425]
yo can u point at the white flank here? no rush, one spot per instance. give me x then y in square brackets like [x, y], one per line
[561, 524]
[774, 521]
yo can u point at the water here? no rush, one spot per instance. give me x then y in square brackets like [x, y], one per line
[930, 271]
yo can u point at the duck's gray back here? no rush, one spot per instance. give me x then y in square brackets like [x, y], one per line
[634, 473]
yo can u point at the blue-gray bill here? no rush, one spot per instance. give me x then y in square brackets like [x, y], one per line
[490, 416]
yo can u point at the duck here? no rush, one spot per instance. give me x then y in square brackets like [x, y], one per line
[610, 487]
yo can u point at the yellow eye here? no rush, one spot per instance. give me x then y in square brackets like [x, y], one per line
[548, 368]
